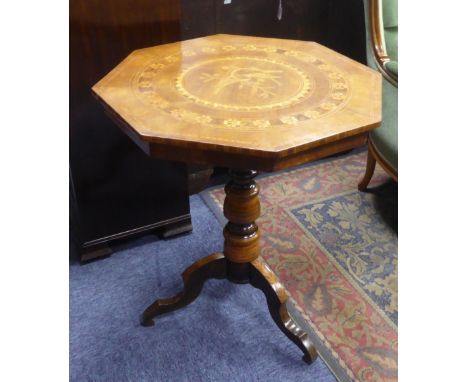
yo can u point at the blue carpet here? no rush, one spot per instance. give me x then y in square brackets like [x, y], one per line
[225, 335]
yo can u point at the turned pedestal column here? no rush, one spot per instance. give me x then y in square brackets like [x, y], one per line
[240, 263]
[241, 234]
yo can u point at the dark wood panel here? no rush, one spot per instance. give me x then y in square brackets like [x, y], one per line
[104, 32]
[337, 24]
[118, 190]
[198, 18]
[300, 18]
[345, 28]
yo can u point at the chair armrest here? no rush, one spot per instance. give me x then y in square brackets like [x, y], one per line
[378, 43]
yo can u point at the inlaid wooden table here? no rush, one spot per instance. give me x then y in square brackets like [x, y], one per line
[249, 104]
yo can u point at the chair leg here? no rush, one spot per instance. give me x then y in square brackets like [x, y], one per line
[370, 167]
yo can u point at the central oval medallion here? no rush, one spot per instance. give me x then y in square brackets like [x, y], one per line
[243, 83]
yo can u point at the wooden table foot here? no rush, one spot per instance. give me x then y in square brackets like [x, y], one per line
[259, 275]
[213, 266]
[262, 277]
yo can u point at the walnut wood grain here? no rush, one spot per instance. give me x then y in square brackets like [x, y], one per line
[242, 102]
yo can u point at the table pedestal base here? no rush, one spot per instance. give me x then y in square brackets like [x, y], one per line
[239, 263]
[258, 274]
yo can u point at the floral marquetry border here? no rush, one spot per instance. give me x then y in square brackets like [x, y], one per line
[337, 96]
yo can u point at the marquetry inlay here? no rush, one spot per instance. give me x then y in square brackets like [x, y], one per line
[222, 89]
[243, 83]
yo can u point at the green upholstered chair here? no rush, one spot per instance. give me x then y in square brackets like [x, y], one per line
[382, 54]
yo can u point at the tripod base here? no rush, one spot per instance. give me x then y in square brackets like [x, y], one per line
[257, 273]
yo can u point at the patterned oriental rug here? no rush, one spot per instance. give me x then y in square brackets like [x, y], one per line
[335, 250]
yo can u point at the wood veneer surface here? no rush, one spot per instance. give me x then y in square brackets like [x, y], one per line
[227, 100]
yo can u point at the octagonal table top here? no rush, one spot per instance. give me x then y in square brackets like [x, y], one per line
[240, 101]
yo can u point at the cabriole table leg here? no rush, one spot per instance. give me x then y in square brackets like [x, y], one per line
[213, 266]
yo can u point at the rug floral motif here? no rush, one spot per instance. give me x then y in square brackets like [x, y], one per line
[336, 254]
